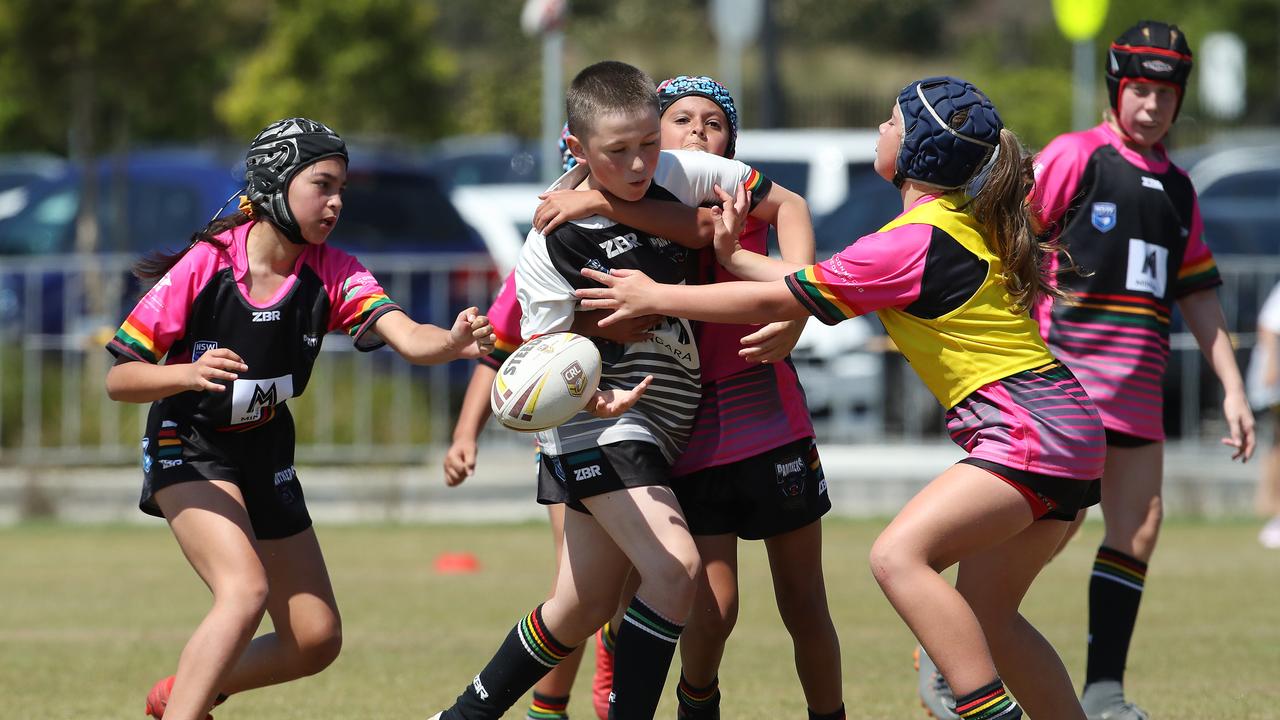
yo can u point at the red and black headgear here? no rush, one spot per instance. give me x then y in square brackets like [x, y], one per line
[1151, 51]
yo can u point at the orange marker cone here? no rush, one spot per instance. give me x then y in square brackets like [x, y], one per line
[456, 563]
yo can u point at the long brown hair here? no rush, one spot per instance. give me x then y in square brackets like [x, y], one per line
[1002, 206]
[156, 263]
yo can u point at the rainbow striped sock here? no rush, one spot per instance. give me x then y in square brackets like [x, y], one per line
[1115, 594]
[609, 635]
[545, 707]
[990, 702]
[697, 702]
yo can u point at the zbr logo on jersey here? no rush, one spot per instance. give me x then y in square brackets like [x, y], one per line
[614, 247]
[1148, 268]
[249, 397]
[201, 347]
[1103, 216]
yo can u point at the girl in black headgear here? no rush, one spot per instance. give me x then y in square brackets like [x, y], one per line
[227, 334]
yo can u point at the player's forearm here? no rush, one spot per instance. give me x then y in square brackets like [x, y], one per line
[730, 302]
[795, 230]
[760, 268]
[1203, 315]
[475, 404]
[142, 382]
[427, 345]
[677, 222]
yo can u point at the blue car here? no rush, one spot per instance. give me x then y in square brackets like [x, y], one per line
[395, 218]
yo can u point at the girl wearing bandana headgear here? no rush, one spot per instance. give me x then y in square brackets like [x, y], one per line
[1128, 215]
[952, 279]
[229, 332]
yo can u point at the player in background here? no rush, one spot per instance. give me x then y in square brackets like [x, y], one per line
[227, 334]
[952, 279]
[1263, 382]
[1129, 216]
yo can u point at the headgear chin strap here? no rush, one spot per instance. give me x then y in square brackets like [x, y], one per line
[949, 132]
[1151, 51]
[672, 89]
[276, 155]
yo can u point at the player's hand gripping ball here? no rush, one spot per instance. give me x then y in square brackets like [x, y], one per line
[545, 382]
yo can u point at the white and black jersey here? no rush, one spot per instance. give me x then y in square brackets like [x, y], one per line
[549, 271]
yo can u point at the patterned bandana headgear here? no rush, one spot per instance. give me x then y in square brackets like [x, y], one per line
[949, 132]
[1151, 51]
[675, 88]
[567, 160]
[276, 155]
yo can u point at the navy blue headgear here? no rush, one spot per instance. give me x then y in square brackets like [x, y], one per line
[673, 89]
[276, 155]
[949, 132]
[567, 160]
[1152, 51]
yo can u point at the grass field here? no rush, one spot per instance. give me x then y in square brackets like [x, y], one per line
[91, 616]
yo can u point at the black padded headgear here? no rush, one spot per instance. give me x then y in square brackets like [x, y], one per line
[949, 132]
[1152, 51]
[276, 155]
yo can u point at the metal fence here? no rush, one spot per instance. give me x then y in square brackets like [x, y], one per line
[57, 312]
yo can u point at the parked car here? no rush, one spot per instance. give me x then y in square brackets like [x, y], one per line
[483, 160]
[502, 214]
[156, 199]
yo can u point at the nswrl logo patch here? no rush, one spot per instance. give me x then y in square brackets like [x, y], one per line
[1103, 216]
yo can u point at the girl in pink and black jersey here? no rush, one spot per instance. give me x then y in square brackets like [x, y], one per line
[227, 334]
[1128, 215]
[952, 279]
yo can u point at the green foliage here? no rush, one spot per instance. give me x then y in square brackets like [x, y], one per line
[144, 68]
[363, 66]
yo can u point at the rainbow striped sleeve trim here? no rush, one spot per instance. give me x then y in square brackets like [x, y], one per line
[817, 296]
[502, 350]
[368, 309]
[754, 180]
[1198, 276]
[133, 340]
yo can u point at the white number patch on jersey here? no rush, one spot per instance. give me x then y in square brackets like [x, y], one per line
[248, 397]
[1148, 267]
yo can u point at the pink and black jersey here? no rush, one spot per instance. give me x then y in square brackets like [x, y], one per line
[504, 315]
[747, 408]
[203, 303]
[1134, 225]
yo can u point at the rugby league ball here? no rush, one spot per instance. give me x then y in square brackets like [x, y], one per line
[545, 382]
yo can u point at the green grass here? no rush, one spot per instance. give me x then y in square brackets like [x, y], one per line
[91, 616]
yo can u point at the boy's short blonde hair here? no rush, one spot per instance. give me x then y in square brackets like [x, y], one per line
[604, 88]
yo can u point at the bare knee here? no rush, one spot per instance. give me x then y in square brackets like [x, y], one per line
[319, 644]
[803, 609]
[890, 560]
[715, 620]
[669, 580]
[1138, 530]
[244, 597]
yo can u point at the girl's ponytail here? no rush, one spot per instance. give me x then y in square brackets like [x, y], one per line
[1001, 205]
[155, 264]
